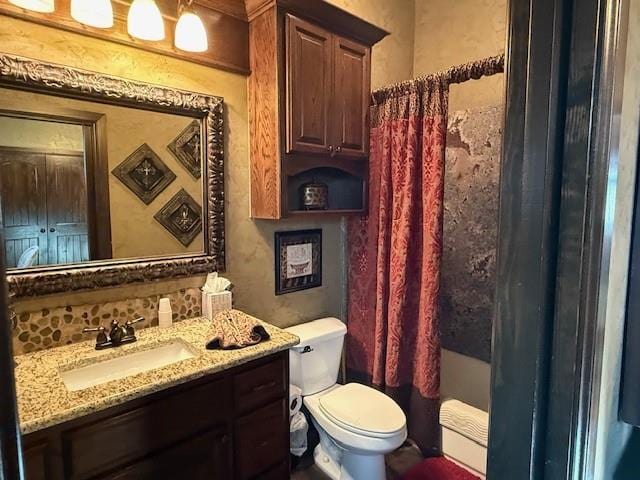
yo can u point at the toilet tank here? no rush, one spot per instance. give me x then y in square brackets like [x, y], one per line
[315, 361]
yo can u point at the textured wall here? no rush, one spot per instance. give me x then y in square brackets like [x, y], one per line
[134, 231]
[472, 169]
[450, 33]
[250, 263]
[26, 133]
[392, 58]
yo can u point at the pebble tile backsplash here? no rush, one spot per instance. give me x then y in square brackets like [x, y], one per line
[48, 328]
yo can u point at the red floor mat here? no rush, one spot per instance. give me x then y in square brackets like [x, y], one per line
[438, 468]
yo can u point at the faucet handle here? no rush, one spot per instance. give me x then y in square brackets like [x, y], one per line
[128, 326]
[91, 330]
[102, 339]
[138, 319]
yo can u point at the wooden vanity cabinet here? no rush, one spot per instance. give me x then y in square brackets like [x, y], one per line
[230, 425]
[309, 93]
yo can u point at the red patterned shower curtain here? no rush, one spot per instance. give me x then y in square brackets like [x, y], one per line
[394, 256]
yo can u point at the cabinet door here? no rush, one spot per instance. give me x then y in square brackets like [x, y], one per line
[205, 457]
[309, 87]
[36, 461]
[351, 102]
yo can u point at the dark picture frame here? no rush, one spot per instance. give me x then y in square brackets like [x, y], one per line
[307, 271]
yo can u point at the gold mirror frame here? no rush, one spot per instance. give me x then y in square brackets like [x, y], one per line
[28, 74]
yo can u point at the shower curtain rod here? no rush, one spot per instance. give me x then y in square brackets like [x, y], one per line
[456, 74]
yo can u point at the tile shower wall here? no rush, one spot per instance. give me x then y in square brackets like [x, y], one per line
[472, 167]
[47, 328]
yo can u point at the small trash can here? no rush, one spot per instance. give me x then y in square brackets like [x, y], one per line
[298, 428]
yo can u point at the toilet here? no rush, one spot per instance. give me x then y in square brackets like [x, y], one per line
[357, 424]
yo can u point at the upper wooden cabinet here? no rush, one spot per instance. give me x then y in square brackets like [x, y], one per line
[328, 83]
[309, 93]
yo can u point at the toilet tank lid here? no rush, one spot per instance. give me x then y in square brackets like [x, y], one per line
[318, 330]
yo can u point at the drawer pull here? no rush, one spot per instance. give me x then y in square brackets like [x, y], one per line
[264, 386]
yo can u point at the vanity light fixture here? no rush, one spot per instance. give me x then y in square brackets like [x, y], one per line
[42, 6]
[95, 13]
[191, 35]
[145, 20]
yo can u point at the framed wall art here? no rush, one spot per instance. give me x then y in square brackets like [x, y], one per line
[298, 260]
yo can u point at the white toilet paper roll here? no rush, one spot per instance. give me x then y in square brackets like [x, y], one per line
[295, 400]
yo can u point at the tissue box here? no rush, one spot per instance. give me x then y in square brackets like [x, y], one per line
[213, 303]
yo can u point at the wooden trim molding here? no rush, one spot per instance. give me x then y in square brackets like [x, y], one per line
[25, 73]
[224, 20]
[324, 14]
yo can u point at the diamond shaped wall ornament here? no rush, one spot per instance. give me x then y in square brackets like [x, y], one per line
[186, 148]
[144, 173]
[182, 216]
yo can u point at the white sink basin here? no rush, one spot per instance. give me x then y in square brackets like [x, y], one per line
[125, 365]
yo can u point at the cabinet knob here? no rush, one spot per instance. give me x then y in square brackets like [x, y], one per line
[330, 148]
[338, 149]
[52, 230]
[43, 230]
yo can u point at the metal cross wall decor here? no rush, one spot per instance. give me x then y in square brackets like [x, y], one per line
[144, 173]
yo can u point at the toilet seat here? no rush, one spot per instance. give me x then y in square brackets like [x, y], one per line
[363, 410]
[348, 438]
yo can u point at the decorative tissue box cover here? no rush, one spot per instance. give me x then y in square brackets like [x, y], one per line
[213, 303]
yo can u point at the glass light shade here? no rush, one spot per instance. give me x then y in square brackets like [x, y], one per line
[44, 6]
[145, 21]
[191, 35]
[95, 13]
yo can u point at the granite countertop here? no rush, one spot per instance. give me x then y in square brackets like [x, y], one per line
[44, 401]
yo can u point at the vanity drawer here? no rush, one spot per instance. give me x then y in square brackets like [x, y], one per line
[256, 387]
[108, 443]
[262, 440]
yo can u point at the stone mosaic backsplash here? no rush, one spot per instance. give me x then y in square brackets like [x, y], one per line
[48, 328]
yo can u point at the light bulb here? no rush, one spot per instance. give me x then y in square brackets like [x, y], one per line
[191, 35]
[44, 6]
[145, 20]
[95, 13]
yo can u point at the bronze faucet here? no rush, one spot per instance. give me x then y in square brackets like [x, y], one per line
[118, 334]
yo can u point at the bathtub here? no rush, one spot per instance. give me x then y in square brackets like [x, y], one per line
[464, 435]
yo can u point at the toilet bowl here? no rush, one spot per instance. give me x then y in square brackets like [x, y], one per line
[357, 424]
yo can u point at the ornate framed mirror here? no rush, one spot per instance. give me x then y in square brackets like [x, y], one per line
[106, 181]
